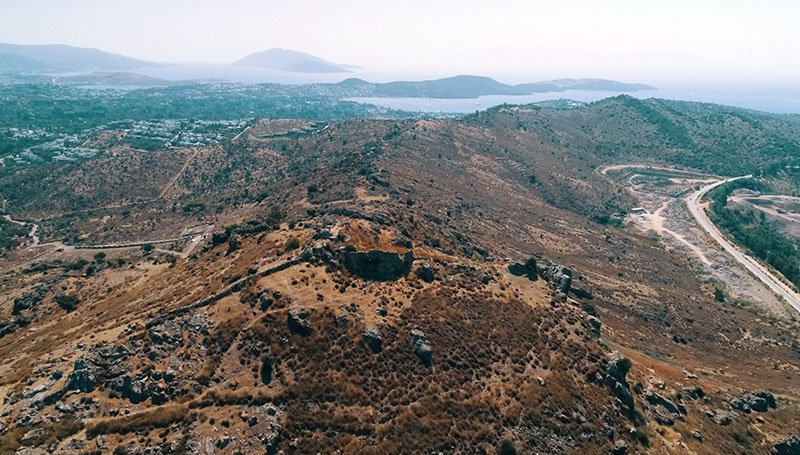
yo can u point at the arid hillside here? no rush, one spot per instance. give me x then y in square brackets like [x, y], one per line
[451, 286]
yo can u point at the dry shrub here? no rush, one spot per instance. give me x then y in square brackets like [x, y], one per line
[159, 417]
[55, 431]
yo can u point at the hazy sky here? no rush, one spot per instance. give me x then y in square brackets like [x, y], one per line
[755, 40]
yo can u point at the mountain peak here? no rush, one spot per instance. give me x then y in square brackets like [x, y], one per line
[292, 61]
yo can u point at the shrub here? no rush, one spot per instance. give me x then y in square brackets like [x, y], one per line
[67, 302]
[506, 447]
[77, 265]
[292, 244]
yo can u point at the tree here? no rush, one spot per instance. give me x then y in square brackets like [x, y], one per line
[147, 247]
[719, 295]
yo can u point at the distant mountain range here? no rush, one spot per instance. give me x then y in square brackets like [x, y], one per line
[475, 86]
[294, 61]
[54, 58]
[112, 69]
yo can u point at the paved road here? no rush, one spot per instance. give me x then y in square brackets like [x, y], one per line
[761, 272]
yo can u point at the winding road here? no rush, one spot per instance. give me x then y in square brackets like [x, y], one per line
[762, 273]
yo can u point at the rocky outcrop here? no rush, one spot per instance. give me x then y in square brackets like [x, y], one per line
[663, 409]
[168, 335]
[422, 347]
[7, 326]
[788, 446]
[29, 300]
[760, 401]
[84, 375]
[377, 265]
[297, 320]
[320, 253]
[616, 378]
[140, 387]
[373, 339]
[527, 269]
[559, 277]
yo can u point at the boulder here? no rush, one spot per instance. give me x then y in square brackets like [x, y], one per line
[582, 293]
[720, 416]
[422, 347]
[372, 337]
[377, 265]
[563, 282]
[266, 370]
[595, 324]
[298, 322]
[426, 273]
[620, 448]
[265, 301]
[323, 234]
[788, 446]
[401, 241]
[694, 393]
[657, 400]
[33, 437]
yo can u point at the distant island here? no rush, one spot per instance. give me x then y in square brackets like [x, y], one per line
[475, 86]
[118, 78]
[293, 61]
[59, 58]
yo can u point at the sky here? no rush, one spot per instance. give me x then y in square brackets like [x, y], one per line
[755, 41]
